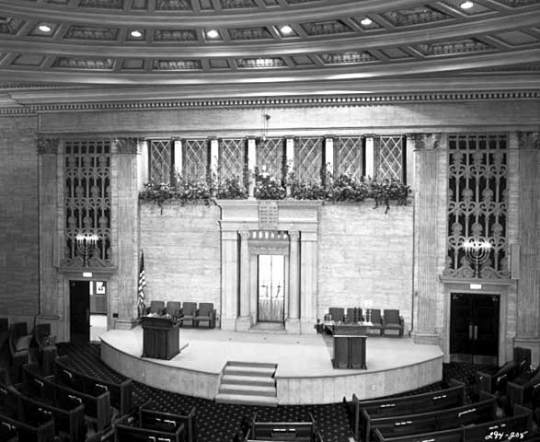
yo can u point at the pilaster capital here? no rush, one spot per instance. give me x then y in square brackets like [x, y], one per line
[129, 146]
[244, 234]
[426, 141]
[529, 140]
[48, 146]
[294, 235]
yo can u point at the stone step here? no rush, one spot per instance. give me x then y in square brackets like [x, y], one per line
[248, 380]
[250, 370]
[252, 390]
[246, 399]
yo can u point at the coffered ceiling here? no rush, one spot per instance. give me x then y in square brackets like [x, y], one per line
[205, 48]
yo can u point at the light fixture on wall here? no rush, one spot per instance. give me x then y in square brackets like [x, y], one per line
[265, 120]
[86, 243]
[477, 252]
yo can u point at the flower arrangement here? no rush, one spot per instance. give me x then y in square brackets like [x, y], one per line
[267, 187]
[232, 189]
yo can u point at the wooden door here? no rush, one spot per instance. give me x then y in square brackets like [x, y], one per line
[271, 287]
[474, 328]
[79, 309]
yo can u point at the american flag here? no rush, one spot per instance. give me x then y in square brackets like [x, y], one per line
[142, 285]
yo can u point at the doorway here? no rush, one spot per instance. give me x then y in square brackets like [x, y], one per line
[474, 328]
[271, 288]
[79, 311]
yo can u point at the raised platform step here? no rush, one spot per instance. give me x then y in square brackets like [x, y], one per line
[250, 370]
[251, 390]
[246, 399]
[247, 380]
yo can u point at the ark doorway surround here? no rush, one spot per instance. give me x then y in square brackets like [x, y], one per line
[250, 228]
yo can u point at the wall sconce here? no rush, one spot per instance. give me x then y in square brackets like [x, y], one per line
[477, 252]
[86, 243]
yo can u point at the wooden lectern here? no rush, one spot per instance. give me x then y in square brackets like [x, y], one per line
[161, 337]
[350, 346]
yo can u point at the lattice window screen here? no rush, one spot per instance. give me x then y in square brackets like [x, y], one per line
[389, 158]
[309, 158]
[477, 210]
[232, 157]
[349, 157]
[161, 161]
[270, 153]
[196, 160]
[87, 199]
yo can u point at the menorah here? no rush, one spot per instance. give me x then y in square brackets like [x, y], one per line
[477, 252]
[86, 243]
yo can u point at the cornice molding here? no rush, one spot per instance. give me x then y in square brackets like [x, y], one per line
[329, 101]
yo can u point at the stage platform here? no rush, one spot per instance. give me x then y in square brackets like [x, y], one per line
[304, 373]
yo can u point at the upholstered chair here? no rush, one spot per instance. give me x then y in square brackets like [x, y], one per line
[206, 314]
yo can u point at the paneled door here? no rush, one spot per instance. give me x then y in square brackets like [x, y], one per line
[79, 309]
[474, 328]
[271, 288]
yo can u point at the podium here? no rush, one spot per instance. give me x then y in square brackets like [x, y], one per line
[350, 347]
[161, 337]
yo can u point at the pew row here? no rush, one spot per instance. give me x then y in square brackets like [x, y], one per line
[148, 425]
[69, 423]
[453, 396]
[526, 393]
[517, 427]
[283, 431]
[426, 422]
[121, 393]
[97, 406]
[18, 431]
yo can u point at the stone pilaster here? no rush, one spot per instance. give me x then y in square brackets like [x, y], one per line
[229, 280]
[426, 201]
[243, 323]
[293, 322]
[308, 282]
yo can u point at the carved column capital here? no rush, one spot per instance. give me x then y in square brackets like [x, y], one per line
[294, 235]
[244, 234]
[129, 146]
[529, 140]
[426, 141]
[48, 146]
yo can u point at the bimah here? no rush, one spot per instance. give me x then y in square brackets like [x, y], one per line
[161, 337]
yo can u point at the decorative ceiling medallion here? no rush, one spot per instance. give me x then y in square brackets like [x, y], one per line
[326, 28]
[175, 35]
[108, 4]
[10, 25]
[347, 58]
[459, 47]
[249, 34]
[174, 5]
[105, 64]
[86, 33]
[176, 65]
[260, 63]
[414, 17]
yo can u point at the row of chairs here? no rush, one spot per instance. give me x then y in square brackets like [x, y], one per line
[188, 314]
[389, 320]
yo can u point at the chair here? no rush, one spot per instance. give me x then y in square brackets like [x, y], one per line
[354, 315]
[205, 313]
[156, 307]
[174, 308]
[19, 349]
[189, 311]
[374, 316]
[337, 314]
[393, 321]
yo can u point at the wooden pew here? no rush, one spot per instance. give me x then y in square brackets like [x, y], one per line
[283, 431]
[453, 396]
[97, 407]
[16, 430]
[526, 392]
[158, 420]
[496, 383]
[121, 392]
[394, 426]
[151, 426]
[517, 427]
[69, 422]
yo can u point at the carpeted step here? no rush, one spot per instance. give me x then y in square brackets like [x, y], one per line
[246, 399]
[247, 380]
[252, 390]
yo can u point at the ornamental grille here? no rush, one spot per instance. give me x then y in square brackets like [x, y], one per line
[389, 158]
[161, 161]
[477, 191]
[309, 159]
[349, 157]
[87, 199]
[270, 153]
[232, 159]
[196, 160]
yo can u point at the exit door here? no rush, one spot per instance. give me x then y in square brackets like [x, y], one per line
[79, 309]
[474, 328]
